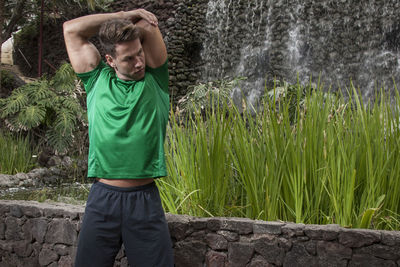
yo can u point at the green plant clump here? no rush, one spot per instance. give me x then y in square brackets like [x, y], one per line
[320, 159]
[15, 154]
[52, 109]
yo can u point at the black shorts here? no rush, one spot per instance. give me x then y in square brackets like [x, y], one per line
[131, 216]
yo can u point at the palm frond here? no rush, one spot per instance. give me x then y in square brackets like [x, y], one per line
[18, 99]
[40, 90]
[64, 79]
[58, 141]
[14, 125]
[72, 104]
[31, 116]
[65, 122]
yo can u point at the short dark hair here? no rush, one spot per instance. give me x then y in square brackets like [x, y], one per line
[116, 31]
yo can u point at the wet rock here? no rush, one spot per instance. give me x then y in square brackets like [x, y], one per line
[190, 253]
[268, 247]
[263, 227]
[61, 232]
[259, 261]
[216, 259]
[358, 238]
[298, 256]
[47, 256]
[228, 235]
[38, 228]
[327, 232]
[216, 242]
[65, 261]
[239, 254]
[380, 251]
[361, 260]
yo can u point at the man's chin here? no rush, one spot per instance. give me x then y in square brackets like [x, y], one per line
[132, 77]
[138, 76]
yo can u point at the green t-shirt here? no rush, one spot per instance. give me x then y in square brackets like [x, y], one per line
[127, 123]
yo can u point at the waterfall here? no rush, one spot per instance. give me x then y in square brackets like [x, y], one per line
[339, 41]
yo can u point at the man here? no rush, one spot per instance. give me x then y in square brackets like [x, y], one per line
[128, 105]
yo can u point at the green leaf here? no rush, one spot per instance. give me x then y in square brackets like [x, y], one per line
[39, 90]
[31, 116]
[367, 218]
[65, 122]
[58, 141]
[72, 104]
[14, 103]
[64, 79]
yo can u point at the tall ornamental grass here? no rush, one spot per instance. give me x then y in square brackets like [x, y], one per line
[15, 153]
[311, 157]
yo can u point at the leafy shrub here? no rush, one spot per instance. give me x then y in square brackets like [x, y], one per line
[52, 109]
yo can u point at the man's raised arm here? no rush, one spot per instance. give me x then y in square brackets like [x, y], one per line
[83, 55]
[153, 44]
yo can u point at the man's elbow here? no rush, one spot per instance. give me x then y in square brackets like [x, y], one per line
[66, 27]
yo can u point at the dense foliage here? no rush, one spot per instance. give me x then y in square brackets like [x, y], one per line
[52, 109]
[318, 159]
[302, 155]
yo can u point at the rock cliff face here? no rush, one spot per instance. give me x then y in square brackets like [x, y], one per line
[41, 234]
[212, 39]
[182, 24]
[340, 41]
[336, 40]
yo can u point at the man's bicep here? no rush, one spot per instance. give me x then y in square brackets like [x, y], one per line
[83, 56]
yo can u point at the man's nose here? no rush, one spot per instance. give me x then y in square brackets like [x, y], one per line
[139, 63]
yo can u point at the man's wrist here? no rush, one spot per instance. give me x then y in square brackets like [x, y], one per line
[131, 15]
[121, 15]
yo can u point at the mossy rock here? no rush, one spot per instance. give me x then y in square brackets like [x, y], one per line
[9, 81]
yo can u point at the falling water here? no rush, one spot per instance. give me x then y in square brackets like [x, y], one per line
[338, 41]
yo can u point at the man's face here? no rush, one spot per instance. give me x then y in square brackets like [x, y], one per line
[129, 62]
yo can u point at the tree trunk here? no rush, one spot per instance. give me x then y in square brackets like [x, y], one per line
[17, 14]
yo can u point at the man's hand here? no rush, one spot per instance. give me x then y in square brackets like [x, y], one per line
[138, 14]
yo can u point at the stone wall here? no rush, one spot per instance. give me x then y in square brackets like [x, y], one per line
[42, 234]
[182, 25]
[57, 171]
[264, 39]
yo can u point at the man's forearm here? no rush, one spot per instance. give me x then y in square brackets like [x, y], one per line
[87, 26]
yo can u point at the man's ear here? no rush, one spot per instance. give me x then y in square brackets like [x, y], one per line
[110, 61]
